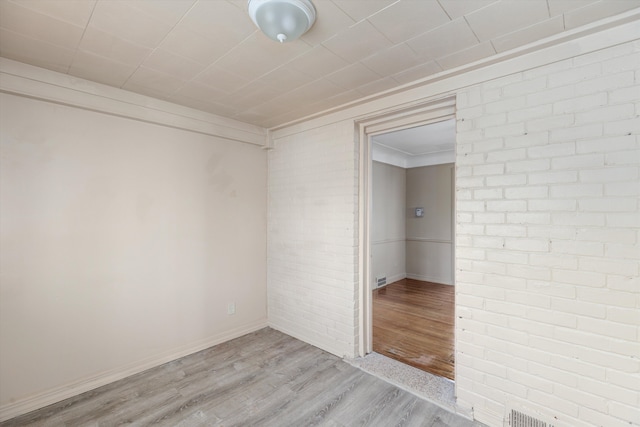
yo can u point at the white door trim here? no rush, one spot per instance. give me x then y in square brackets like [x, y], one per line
[431, 111]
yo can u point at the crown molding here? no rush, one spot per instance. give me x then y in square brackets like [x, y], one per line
[29, 81]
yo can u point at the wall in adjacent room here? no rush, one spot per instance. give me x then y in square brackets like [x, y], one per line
[122, 242]
[429, 244]
[388, 218]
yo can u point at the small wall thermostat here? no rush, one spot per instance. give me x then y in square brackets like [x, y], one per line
[419, 212]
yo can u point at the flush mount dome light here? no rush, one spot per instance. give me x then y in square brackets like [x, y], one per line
[282, 20]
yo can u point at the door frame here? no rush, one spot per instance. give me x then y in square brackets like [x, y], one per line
[402, 117]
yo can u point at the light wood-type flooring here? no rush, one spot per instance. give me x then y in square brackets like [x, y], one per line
[261, 379]
[413, 322]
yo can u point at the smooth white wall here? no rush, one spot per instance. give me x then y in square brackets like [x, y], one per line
[388, 219]
[429, 244]
[121, 244]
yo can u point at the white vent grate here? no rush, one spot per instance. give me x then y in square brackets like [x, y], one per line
[520, 419]
[381, 281]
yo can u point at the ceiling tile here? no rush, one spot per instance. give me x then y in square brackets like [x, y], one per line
[451, 37]
[250, 95]
[362, 9]
[377, 86]
[147, 91]
[286, 78]
[161, 84]
[317, 62]
[208, 54]
[242, 5]
[597, 10]
[167, 11]
[466, 56]
[194, 46]
[358, 42]
[530, 34]
[303, 110]
[506, 16]
[219, 20]
[420, 72]
[39, 26]
[336, 100]
[330, 19]
[307, 110]
[457, 8]
[76, 12]
[307, 93]
[101, 70]
[209, 107]
[392, 60]
[258, 55]
[352, 76]
[124, 21]
[36, 52]
[270, 108]
[558, 7]
[249, 116]
[221, 79]
[167, 62]
[112, 47]
[199, 91]
[406, 19]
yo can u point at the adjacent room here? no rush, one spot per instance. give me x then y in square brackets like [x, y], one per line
[200, 210]
[412, 246]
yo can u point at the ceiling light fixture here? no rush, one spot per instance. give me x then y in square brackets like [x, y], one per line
[282, 20]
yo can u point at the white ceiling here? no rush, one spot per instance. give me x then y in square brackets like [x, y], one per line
[208, 55]
[439, 136]
[425, 145]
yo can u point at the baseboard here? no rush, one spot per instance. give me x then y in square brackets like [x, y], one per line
[66, 391]
[327, 344]
[432, 279]
[487, 416]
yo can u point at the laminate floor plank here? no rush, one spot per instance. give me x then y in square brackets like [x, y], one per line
[265, 379]
[413, 322]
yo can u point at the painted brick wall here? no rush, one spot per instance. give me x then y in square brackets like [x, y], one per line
[548, 254]
[312, 237]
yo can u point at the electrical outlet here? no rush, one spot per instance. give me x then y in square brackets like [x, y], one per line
[231, 308]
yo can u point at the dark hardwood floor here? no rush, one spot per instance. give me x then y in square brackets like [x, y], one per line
[413, 322]
[261, 379]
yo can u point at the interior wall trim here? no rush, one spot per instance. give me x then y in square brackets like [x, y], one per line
[427, 240]
[66, 391]
[432, 279]
[33, 82]
[392, 118]
[384, 241]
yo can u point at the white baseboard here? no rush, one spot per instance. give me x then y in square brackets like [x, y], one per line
[323, 343]
[433, 279]
[487, 416]
[66, 391]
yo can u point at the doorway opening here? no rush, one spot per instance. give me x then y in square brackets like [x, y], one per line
[407, 236]
[412, 246]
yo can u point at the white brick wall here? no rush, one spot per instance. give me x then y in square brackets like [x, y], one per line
[548, 250]
[312, 237]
